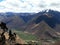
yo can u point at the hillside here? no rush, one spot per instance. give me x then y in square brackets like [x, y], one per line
[21, 21]
[21, 38]
[13, 21]
[11, 42]
[40, 29]
[44, 25]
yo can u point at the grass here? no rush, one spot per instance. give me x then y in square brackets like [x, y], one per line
[26, 36]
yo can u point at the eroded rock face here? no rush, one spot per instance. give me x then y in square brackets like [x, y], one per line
[7, 41]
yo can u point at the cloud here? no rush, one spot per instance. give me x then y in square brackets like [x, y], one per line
[28, 5]
[18, 6]
[55, 4]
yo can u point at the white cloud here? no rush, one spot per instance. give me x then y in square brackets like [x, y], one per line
[28, 5]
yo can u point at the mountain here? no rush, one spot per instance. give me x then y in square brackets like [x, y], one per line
[45, 24]
[16, 20]
[45, 31]
[51, 17]
[25, 16]
[42, 30]
[12, 21]
[22, 20]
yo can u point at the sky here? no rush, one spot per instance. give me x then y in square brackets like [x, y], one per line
[28, 5]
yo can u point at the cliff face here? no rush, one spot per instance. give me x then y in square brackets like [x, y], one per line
[7, 41]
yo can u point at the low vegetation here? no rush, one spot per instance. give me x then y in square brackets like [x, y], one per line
[26, 36]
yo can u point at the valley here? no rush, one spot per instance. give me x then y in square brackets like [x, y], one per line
[42, 28]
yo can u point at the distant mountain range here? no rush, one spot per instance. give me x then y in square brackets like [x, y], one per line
[15, 20]
[42, 24]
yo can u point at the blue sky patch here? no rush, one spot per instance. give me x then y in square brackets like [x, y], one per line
[1, 0]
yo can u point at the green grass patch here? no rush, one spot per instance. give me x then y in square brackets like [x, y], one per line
[26, 36]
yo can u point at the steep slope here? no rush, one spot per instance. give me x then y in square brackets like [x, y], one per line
[21, 21]
[57, 28]
[50, 20]
[16, 23]
[16, 20]
[36, 20]
[13, 22]
[42, 30]
[18, 39]
[11, 42]
[51, 17]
